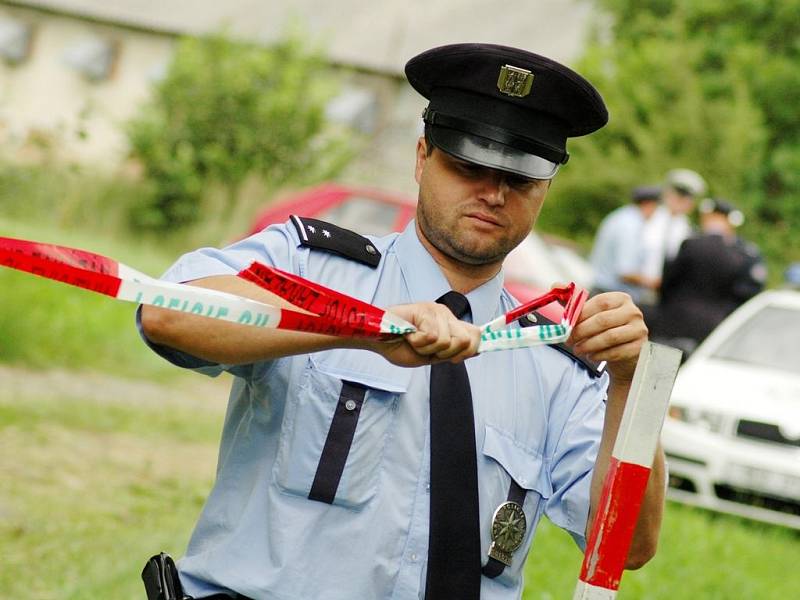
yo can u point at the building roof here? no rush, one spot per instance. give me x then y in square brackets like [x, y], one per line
[379, 36]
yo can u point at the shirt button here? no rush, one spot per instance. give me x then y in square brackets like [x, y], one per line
[350, 405]
[414, 557]
[427, 487]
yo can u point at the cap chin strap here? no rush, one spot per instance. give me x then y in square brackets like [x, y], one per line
[496, 134]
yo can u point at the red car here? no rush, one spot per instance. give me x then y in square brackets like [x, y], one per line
[531, 268]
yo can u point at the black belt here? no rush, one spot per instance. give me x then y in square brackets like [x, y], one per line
[224, 597]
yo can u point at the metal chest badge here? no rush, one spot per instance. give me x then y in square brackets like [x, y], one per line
[514, 81]
[508, 531]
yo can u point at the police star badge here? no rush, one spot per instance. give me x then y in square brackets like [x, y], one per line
[514, 81]
[508, 531]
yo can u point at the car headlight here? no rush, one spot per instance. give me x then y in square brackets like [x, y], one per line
[708, 420]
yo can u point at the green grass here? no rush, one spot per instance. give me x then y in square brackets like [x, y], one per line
[702, 556]
[92, 486]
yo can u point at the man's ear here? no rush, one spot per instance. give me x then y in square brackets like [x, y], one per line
[422, 156]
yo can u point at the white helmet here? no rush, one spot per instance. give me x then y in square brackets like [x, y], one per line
[686, 181]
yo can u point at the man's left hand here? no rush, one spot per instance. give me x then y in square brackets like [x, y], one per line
[610, 328]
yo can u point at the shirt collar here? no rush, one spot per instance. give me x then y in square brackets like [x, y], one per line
[426, 282]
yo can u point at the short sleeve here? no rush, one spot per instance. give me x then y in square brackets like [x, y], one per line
[580, 408]
[275, 246]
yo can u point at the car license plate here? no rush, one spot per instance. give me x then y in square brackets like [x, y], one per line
[763, 481]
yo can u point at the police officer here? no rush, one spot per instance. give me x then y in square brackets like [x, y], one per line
[363, 469]
[713, 273]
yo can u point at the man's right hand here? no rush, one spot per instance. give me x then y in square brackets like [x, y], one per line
[439, 337]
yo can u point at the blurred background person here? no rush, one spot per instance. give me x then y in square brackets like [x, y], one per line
[791, 276]
[669, 225]
[618, 254]
[713, 273]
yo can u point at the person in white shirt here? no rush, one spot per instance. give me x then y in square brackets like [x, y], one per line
[669, 226]
[618, 254]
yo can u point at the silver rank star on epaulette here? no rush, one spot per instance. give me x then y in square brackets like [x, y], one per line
[594, 369]
[328, 237]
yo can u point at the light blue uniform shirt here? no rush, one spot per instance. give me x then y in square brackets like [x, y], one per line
[619, 250]
[538, 419]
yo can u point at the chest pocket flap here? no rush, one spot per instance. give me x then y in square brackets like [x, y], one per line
[364, 367]
[337, 422]
[525, 466]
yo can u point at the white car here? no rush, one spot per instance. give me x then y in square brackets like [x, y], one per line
[732, 436]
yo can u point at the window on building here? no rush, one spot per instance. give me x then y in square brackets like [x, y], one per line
[356, 108]
[15, 41]
[92, 57]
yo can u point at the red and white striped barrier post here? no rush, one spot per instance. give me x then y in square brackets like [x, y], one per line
[628, 472]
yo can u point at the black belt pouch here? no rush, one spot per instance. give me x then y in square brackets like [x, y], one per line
[161, 581]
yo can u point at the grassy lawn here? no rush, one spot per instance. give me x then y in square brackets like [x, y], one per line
[97, 478]
[702, 556]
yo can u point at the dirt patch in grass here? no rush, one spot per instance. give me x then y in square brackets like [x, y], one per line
[192, 390]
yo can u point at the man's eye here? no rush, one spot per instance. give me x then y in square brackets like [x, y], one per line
[469, 168]
[520, 183]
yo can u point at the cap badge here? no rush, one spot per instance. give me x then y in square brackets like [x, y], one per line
[514, 81]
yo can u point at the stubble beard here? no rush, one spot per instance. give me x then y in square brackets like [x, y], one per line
[449, 243]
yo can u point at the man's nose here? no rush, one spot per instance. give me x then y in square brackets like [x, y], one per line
[494, 189]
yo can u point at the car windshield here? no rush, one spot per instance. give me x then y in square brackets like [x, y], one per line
[770, 338]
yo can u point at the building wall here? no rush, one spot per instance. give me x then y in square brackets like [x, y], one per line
[48, 108]
[386, 156]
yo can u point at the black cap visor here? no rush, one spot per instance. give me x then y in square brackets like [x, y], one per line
[490, 153]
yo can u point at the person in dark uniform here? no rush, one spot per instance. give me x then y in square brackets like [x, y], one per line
[713, 273]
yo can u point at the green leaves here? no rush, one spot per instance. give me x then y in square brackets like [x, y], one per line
[227, 110]
[711, 86]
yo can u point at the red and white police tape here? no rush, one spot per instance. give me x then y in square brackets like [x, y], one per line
[629, 470]
[334, 313]
[497, 335]
[331, 312]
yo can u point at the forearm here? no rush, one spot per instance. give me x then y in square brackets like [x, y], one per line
[438, 336]
[230, 343]
[641, 280]
[645, 537]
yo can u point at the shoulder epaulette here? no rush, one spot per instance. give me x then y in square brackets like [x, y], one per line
[331, 238]
[594, 369]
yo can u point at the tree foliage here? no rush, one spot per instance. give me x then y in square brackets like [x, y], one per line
[226, 110]
[710, 86]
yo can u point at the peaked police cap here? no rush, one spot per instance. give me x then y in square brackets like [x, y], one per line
[504, 108]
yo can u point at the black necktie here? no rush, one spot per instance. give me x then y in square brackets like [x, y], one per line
[454, 543]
